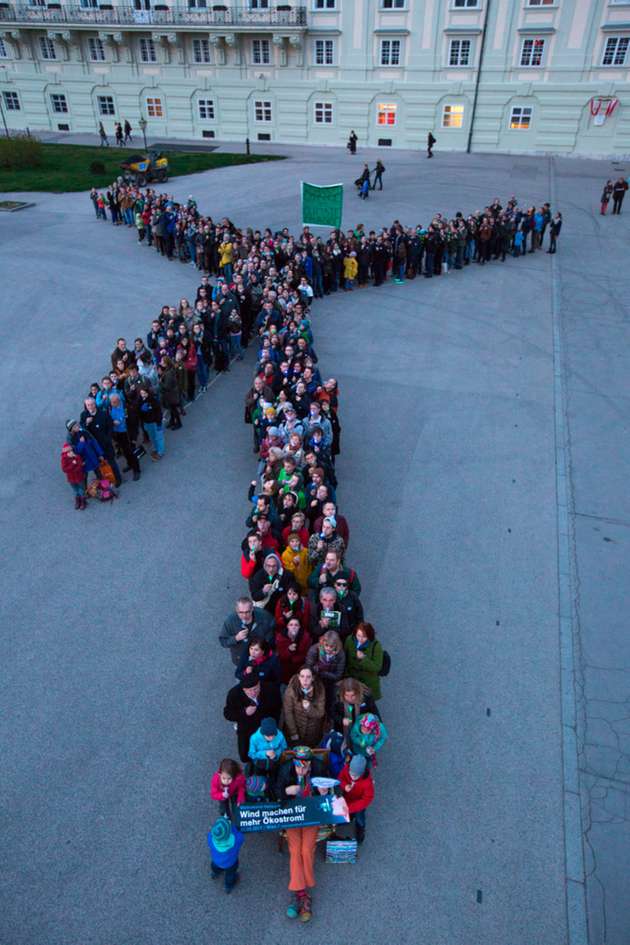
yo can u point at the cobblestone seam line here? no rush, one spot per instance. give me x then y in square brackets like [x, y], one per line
[570, 679]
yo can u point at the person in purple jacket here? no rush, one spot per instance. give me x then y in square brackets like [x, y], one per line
[225, 842]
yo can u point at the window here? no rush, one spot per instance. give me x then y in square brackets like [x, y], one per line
[201, 50]
[393, 4]
[385, 114]
[147, 50]
[465, 4]
[390, 52]
[459, 52]
[11, 101]
[259, 4]
[324, 52]
[540, 3]
[206, 109]
[520, 119]
[47, 48]
[96, 50]
[59, 103]
[453, 116]
[532, 52]
[323, 113]
[3, 50]
[262, 110]
[261, 52]
[616, 51]
[105, 105]
[324, 4]
[154, 108]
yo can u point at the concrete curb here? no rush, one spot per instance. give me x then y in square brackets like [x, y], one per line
[577, 922]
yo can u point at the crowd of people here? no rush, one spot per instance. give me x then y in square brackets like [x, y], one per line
[307, 664]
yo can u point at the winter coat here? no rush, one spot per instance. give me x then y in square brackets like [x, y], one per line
[287, 777]
[89, 449]
[291, 661]
[367, 669]
[169, 388]
[236, 702]
[150, 410]
[260, 581]
[330, 671]
[343, 710]
[258, 746]
[362, 793]
[359, 742]
[301, 570]
[224, 859]
[72, 465]
[236, 789]
[263, 626]
[269, 669]
[304, 726]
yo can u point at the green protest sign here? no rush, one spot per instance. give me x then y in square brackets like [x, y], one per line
[304, 812]
[322, 206]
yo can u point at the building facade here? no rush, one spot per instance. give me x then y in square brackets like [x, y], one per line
[508, 75]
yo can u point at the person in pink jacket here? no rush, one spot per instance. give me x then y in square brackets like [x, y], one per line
[228, 786]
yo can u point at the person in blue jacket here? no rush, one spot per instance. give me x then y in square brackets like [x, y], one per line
[266, 746]
[225, 842]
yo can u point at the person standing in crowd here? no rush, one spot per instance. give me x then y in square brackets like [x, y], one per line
[364, 658]
[304, 709]
[121, 436]
[554, 232]
[247, 704]
[358, 787]
[151, 419]
[228, 787]
[97, 422]
[246, 623]
[74, 468]
[618, 193]
[430, 143]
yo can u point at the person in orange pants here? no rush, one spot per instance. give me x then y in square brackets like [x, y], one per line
[294, 781]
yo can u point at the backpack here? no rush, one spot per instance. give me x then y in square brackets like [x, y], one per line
[386, 665]
[102, 489]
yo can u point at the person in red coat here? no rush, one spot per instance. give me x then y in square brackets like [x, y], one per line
[73, 467]
[292, 644]
[358, 789]
[292, 604]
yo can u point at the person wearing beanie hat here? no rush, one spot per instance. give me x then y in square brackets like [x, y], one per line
[358, 789]
[265, 750]
[225, 842]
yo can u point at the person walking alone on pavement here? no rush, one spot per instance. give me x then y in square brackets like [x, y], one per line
[352, 143]
[378, 175]
[128, 137]
[618, 193]
[103, 135]
[119, 134]
[430, 143]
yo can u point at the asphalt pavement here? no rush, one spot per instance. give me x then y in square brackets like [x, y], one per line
[111, 708]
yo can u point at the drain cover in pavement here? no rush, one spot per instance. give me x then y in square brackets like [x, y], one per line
[9, 206]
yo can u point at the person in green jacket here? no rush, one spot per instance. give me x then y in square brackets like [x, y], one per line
[364, 657]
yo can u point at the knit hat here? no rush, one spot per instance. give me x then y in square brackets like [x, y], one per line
[256, 786]
[369, 722]
[268, 727]
[250, 680]
[222, 836]
[302, 753]
[70, 424]
[357, 766]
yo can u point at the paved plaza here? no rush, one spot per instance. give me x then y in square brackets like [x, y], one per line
[484, 472]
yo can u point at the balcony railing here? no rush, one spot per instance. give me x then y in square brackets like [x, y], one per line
[160, 15]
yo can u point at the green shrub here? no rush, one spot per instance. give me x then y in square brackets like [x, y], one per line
[97, 167]
[20, 151]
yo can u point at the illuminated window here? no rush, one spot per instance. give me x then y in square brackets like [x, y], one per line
[386, 114]
[616, 51]
[453, 116]
[154, 108]
[323, 113]
[459, 52]
[521, 118]
[532, 52]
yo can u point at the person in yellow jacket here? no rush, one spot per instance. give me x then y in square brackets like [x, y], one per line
[225, 261]
[295, 560]
[350, 270]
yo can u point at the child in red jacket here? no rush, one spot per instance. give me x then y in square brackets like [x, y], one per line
[73, 467]
[358, 789]
[228, 786]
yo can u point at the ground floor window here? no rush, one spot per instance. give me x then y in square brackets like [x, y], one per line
[11, 101]
[106, 105]
[59, 103]
[323, 113]
[452, 116]
[385, 114]
[262, 110]
[154, 108]
[206, 109]
[521, 117]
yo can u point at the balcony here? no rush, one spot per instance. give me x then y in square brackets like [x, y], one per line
[218, 16]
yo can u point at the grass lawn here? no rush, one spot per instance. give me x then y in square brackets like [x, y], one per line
[66, 167]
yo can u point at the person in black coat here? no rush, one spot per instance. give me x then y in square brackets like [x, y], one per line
[247, 704]
[353, 699]
[269, 583]
[97, 422]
